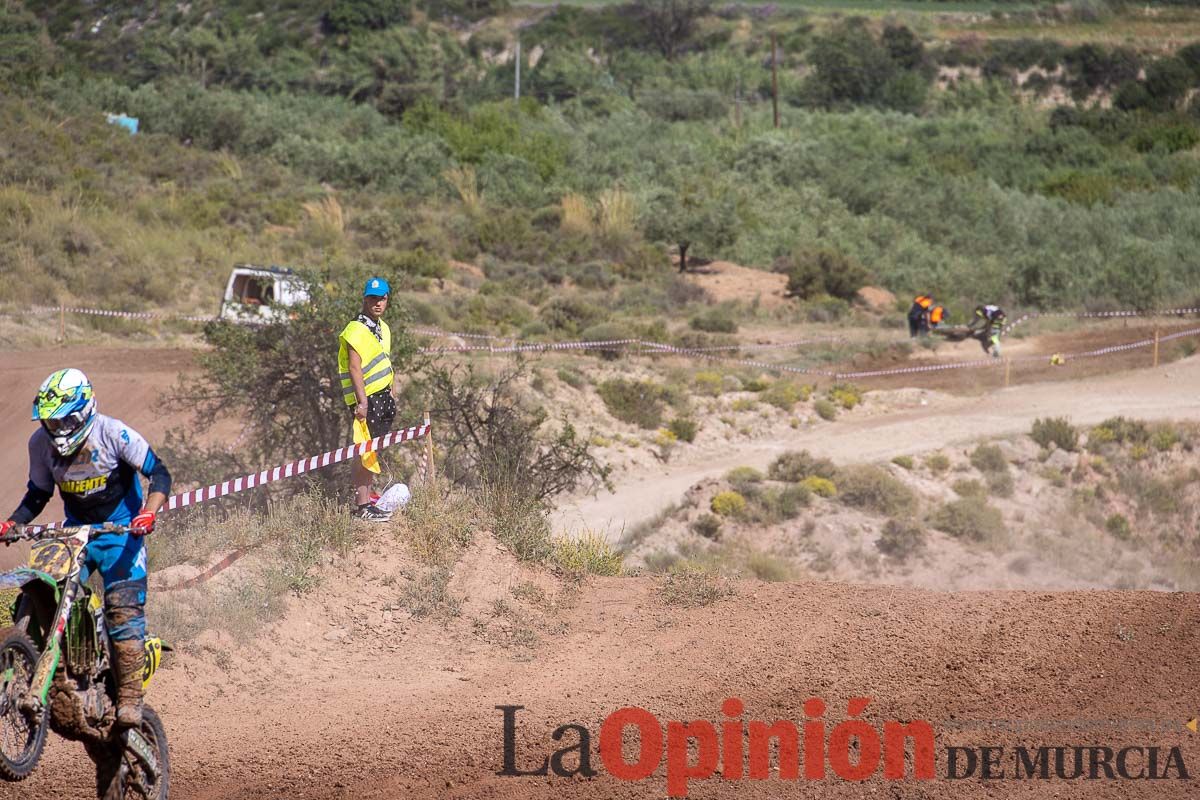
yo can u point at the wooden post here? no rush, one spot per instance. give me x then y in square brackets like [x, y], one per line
[1157, 334]
[737, 106]
[62, 323]
[430, 470]
[774, 79]
[1007, 372]
[517, 79]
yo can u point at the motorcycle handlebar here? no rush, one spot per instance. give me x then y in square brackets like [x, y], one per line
[39, 532]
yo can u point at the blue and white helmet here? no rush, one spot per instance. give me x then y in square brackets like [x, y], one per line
[66, 406]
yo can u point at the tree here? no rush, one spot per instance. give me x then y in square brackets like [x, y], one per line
[812, 273]
[491, 437]
[26, 53]
[695, 210]
[672, 23]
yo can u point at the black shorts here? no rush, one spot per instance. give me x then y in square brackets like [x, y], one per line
[381, 413]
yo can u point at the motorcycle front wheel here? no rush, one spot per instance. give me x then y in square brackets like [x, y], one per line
[22, 736]
[121, 775]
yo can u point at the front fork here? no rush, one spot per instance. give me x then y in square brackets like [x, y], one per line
[43, 675]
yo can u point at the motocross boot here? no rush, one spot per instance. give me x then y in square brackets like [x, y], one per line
[130, 658]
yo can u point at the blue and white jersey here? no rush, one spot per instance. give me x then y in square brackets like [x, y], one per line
[99, 483]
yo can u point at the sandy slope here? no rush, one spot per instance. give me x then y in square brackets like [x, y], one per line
[1172, 391]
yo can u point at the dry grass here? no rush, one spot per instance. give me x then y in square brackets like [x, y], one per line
[464, 181]
[576, 214]
[616, 214]
[691, 586]
[587, 554]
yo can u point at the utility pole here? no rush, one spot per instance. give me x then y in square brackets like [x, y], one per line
[517, 81]
[774, 79]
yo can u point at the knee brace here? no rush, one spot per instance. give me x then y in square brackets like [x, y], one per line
[125, 610]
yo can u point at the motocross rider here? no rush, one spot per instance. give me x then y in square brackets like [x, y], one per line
[94, 461]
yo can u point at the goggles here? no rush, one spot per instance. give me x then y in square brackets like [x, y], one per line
[64, 426]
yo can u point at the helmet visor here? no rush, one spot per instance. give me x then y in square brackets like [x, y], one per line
[64, 426]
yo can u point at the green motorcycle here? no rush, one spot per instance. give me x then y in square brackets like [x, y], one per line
[56, 673]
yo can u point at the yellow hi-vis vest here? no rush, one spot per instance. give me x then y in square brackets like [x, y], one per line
[375, 355]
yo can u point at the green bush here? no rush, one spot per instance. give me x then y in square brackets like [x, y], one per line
[901, 539]
[969, 488]
[744, 480]
[971, 518]
[846, 395]
[635, 402]
[783, 395]
[766, 567]
[684, 429]
[904, 462]
[989, 458]
[822, 272]
[796, 465]
[1119, 430]
[728, 504]
[937, 462]
[825, 410]
[821, 487]
[589, 554]
[707, 525]
[1056, 430]
[1118, 526]
[1164, 438]
[708, 384]
[873, 488]
[571, 377]
[715, 320]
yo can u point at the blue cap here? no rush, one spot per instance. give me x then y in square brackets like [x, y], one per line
[377, 287]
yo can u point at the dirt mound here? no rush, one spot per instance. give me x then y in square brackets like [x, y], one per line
[877, 298]
[724, 280]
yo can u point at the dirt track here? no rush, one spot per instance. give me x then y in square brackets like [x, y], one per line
[1171, 391]
[322, 706]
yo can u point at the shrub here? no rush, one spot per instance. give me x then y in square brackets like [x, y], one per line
[1056, 430]
[743, 479]
[937, 462]
[776, 504]
[707, 383]
[728, 504]
[846, 395]
[821, 487]
[782, 394]
[970, 518]
[901, 539]
[1121, 431]
[745, 404]
[715, 320]
[1001, 484]
[1118, 526]
[873, 488]
[571, 377]
[635, 402]
[989, 458]
[757, 384]
[767, 567]
[588, 554]
[814, 273]
[684, 429]
[825, 410]
[690, 586]
[707, 525]
[1164, 438]
[904, 462]
[969, 488]
[796, 465]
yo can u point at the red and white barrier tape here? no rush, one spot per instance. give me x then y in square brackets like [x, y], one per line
[282, 472]
[101, 312]
[1125, 313]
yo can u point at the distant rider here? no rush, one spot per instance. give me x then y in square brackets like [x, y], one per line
[918, 315]
[987, 326]
[94, 461]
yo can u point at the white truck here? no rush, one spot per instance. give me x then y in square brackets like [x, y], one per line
[261, 293]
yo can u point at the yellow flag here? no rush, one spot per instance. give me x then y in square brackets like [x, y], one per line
[363, 434]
